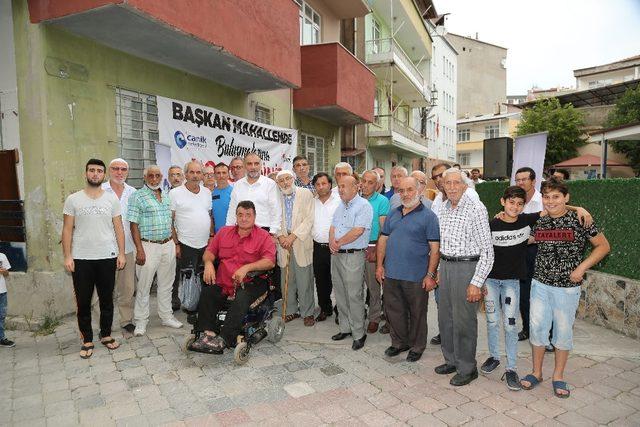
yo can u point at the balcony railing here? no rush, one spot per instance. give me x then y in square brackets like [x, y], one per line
[386, 124]
[388, 50]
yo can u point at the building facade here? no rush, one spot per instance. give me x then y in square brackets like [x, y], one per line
[87, 77]
[597, 76]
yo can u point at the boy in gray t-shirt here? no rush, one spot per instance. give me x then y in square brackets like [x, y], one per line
[93, 246]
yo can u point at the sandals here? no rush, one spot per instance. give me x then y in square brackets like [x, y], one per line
[289, 317]
[532, 380]
[88, 351]
[560, 385]
[111, 344]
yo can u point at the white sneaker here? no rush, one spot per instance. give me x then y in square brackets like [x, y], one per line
[172, 323]
[140, 330]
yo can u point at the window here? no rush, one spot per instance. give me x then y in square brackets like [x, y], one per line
[312, 147]
[375, 35]
[137, 130]
[309, 24]
[464, 159]
[491, 131]
[263, 114]
[464, 135]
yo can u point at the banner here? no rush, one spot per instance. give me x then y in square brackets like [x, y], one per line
[530, 151]
[213, 136]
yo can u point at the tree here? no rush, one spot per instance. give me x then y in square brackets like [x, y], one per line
[564, 124]
[626, 111]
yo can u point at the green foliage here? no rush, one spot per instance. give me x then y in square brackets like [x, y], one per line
[627, 111]
[49, 325]
[564, 124]
[615, 206]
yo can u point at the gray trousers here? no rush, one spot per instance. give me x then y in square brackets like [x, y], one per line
[375, 300]
[300, 296]
[347, 275]
[457, 318]
[405, 306]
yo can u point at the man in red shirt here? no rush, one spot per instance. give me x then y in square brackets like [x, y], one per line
[241, 249]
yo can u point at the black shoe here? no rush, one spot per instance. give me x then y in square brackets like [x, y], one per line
[394, 351]
[340, 336]
[436, 340]
[513, 381]
[7, 343]
[445, 369]
[523, 336]
[129, 328]
[413, 356]
[358, 344]
[489, 365]
[459, 379]
[549, 348]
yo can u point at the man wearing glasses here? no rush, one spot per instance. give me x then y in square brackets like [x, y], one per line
[209, 178]
[176, 177]
[301, 168]
[125, 278]
[236, 168]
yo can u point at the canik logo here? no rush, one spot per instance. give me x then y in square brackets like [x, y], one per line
[180, 139]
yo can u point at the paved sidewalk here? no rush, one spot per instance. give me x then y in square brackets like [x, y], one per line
[304, 380]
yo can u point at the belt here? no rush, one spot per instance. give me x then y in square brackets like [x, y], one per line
[324, 245]
[459, 258]
[160, 242]
[350, 251]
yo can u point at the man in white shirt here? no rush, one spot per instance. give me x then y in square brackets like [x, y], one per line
[191, 213]
[526, 179]
[326, 203]
[262, 191]
[125, 278]
[475, 176]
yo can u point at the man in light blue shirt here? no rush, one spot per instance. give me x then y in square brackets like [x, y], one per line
[348, 240]
[221, 196]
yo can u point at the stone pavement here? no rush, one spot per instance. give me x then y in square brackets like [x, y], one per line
[304, 380]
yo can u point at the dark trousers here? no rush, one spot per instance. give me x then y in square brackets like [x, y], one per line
[405, 307]
[525, 287]
[212, 300]
[101, 275]
[322, 275]
[457, 318]
[189, 258]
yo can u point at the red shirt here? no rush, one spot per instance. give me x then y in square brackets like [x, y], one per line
[234, 251]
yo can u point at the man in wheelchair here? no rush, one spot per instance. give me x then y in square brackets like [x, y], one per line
[240, 249]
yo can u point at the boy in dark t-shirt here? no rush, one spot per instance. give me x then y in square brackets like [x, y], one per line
[555, 289]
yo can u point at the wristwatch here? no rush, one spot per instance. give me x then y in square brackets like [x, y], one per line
[431, 274]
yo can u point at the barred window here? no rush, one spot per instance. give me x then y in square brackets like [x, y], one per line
[312, 147]
[137, 130]
[263, 114]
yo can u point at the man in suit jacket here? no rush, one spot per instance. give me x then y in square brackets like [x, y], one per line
[295, 247]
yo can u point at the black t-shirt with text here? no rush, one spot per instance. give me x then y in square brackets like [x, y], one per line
[510, 246]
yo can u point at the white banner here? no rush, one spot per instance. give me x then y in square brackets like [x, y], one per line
[213, 136]
[530, 151]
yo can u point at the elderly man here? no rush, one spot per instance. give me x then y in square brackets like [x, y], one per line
[209, 178]
[236, 167]
[408, 269]
[295, 248]
[176, 177]
[341, 170]
[397, 173]
[420, 176]
[260, 190]
[241, 249]
[326, 203]
[125, 278]
[381, 188]
[221, 196]
[191, 213]
[380, 207]
[150, 218]
[348, 241]
[466, 258]
[301, 168]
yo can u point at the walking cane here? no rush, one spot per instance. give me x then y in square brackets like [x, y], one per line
[286, 288]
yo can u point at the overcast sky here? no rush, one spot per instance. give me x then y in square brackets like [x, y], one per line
[548, 39]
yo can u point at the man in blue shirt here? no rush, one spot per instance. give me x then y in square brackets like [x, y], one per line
[397, 173]
[407, 260]
[348, 241]
[221, 196]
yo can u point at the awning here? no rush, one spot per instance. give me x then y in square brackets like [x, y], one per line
[586, 160]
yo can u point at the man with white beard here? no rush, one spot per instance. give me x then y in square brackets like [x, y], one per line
[408, 269]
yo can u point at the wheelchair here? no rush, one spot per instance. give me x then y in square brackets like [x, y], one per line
[262, 320]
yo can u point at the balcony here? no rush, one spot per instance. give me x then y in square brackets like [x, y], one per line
[389, 62]
[389, 132]
[336, 86]
[244, 44]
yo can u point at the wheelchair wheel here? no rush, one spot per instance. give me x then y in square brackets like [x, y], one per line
[275, 329]
[187, 343]
[241, 353]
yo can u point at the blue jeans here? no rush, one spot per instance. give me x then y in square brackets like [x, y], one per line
[3, 312]
[503, 297]
[552, 304]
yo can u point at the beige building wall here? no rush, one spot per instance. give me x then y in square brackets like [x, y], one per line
[607, 78]
[482, 76]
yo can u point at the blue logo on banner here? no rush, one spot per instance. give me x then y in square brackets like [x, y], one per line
[181, 142]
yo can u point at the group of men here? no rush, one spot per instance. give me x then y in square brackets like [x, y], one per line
[379, 252]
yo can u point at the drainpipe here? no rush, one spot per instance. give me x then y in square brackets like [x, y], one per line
[603, 159]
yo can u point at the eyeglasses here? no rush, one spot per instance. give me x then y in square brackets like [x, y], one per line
[236, 167]
[154, 175]
[115, 168]
[435, 177]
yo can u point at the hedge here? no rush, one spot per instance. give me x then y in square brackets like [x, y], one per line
[615, 206]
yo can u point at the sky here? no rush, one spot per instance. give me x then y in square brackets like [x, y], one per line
[548, 39]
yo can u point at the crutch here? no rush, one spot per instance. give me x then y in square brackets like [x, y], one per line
[286, 288]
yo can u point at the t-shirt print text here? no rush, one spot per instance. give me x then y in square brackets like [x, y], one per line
[93, 211]
[557, 235]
